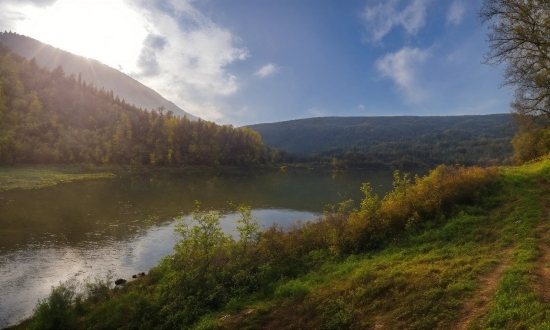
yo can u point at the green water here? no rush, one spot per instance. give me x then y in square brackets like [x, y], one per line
[125, 225]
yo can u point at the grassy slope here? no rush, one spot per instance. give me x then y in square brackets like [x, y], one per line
[32, 177]
[486, 268]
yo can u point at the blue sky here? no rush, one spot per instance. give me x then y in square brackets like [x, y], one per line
[252, 61]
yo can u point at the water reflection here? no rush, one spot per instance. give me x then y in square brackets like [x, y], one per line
[87, 229]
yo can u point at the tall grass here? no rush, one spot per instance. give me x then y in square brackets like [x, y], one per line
[210, 271]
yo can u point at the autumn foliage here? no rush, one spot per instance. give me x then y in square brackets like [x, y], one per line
[412, 201]
[212, 271]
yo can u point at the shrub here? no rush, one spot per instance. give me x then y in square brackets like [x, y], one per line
[57, 310]
[410, 202]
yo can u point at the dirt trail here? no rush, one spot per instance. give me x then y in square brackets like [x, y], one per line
[479, 303]
[542, 272]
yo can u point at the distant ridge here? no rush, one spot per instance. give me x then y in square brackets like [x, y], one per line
[319, 134]
[127, 88]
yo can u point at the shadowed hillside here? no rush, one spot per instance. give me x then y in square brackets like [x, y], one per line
[399, 141]
[127, 88]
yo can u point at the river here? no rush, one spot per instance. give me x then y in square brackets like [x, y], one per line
[126, 225]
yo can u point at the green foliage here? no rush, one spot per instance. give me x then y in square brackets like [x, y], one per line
[211, 272]
[292, 289]
[336, 314]
[401, 142]
[58, 310]
[99, 290]
[43, 176]
[247, 227]
[200, 243]
[531, 142]
[48, 118]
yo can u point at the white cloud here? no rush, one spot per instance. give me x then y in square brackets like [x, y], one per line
[178, 51]
[191, 66]
[316, 112]
[381, 18]
[267, 70]
[401, 68]
[455, 13]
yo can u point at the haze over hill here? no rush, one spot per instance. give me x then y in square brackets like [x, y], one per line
[318, 134]
[399, 140]
[127, 88]
[47, 117]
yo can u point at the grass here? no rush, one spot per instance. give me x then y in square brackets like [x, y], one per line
[479, 269]
[481, 266]
[33, 177]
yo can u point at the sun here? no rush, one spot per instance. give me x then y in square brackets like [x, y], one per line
[110, 31]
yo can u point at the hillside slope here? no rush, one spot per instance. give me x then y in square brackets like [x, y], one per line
[127, 88]
[486, 267]
[49, 118]
[468, 140]
[318, 134]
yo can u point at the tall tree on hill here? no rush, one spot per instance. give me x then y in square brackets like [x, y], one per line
[519, 37]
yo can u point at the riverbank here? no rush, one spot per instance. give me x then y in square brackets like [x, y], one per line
[479, 264]
[34, 177]
[40, 176]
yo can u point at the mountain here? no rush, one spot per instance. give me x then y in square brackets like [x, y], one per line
[127, 88]
[47, 117]
[481, 139]
[318, 134]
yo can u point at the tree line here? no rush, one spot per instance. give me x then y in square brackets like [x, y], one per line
[47, 117]
[400, 142]
[519, 38]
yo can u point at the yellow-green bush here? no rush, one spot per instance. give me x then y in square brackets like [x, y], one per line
[412, 200]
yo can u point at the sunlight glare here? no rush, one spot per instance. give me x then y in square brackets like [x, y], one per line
[109, 31]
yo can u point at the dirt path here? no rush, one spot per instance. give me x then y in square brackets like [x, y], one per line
[542, 272]
[479, 303]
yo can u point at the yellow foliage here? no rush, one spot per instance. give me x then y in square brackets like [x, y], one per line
[408, 203]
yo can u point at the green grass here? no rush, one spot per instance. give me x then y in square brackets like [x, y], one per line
[33, 177]
[477, 267]
[435, 278]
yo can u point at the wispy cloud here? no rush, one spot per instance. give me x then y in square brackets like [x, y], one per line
[169, 46]
[267, 70]
[381, 18]
[455, 13]
[190, 59]
[316, 112]
[401, 68]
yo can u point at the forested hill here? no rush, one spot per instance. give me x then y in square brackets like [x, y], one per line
[47, 117]
[398, 141]
[127, 88]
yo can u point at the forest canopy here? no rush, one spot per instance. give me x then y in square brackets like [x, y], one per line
[47, 117]
[401, 141]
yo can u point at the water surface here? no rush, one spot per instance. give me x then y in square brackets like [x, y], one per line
[126, 225]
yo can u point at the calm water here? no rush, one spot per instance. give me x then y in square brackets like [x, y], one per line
[126, 225]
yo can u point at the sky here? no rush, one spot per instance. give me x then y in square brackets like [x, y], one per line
[243, 62]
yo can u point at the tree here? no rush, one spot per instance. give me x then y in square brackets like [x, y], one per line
[519, 36]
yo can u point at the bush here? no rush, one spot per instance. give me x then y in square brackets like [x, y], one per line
[411, 202]
[58, 310]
